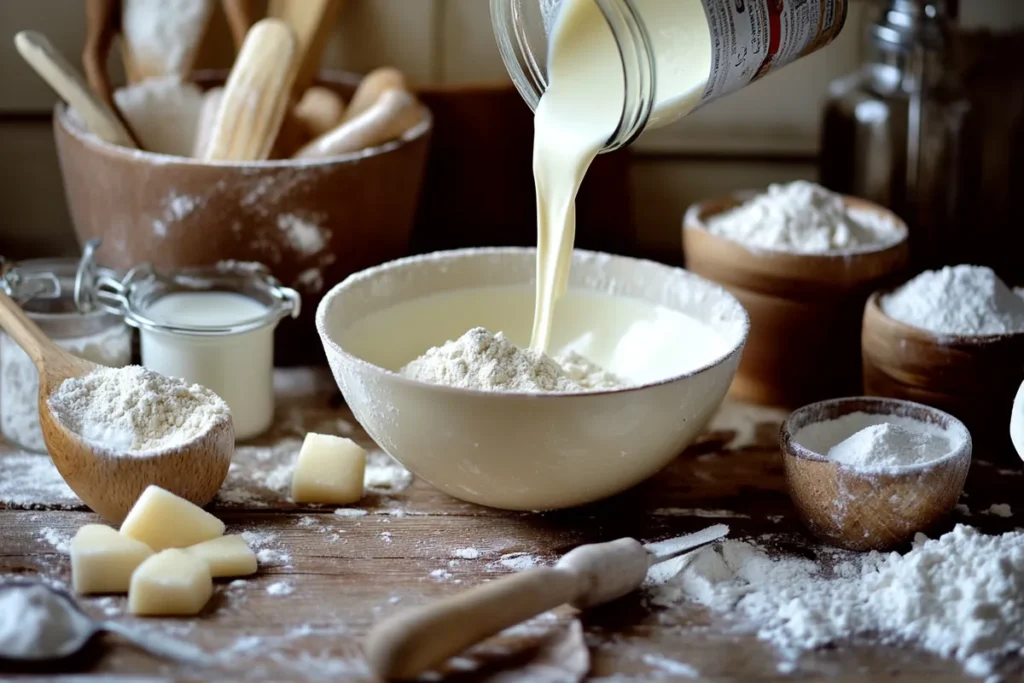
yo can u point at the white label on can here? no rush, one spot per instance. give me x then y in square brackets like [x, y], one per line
[750, 38]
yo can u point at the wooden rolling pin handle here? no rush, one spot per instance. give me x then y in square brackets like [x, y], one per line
[411, 642]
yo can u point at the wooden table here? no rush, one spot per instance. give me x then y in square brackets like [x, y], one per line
[326, 578]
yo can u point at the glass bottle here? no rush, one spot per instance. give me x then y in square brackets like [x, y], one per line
[671, 49]
[896, 131]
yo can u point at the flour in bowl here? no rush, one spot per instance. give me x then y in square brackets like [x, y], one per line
[805, 218]
[959, 300]
[135, 409]
[483, 360]
[887, 445]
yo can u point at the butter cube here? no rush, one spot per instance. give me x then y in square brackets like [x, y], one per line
[172, 582]
[226, 556]
[102, 560]
[162, 520]
[329, 470]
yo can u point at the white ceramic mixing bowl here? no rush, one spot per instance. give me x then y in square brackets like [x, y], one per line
[513, 450]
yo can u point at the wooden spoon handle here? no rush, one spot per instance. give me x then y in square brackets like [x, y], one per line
[240, 16]
[312, 22]
[26, 333]
[55, 69]
[418, 639]
[101, 17]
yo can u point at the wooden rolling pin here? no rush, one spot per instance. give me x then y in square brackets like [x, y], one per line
[70, 85]
[256, 96]
[395, 112]
[319, 110]
[208, 113]
[373, 85]
[416, 640]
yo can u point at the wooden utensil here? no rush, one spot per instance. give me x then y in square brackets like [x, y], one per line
[394, 112]
[69, 84]
[241, 17]
[373, 85]
[860, 510]
[415, 640]
[101, 22]
[160, 38]
[319, 110]
[109, 481]
[312, 22]
[212, 100]
[256, 96]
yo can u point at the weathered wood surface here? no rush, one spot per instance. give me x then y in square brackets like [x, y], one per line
[345, 572]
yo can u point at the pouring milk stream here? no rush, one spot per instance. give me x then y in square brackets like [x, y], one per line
[616, 67]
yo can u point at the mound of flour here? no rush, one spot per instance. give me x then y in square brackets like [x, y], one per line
[803, 217]
[885, 446]
[961, 300]
[959, 596]
[483, 360]
[136, 409]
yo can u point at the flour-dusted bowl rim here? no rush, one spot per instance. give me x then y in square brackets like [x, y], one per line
[439, 257]
[516, 450]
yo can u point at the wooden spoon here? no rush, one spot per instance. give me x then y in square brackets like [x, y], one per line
[256, 96]
[312, 22]
[106, 480]
[161, 38]
[394, 113]
[56, 70]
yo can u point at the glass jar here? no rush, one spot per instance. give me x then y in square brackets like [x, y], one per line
[45, 290]
[676, 55]
[212, 326]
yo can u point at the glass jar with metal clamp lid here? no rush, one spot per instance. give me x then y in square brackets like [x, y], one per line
[45, 290]
[211, 325]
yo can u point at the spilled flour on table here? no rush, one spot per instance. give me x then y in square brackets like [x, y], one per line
[30, 480]
[959, 596]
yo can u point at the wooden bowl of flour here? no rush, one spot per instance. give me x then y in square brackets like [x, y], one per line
[805, 309]
[973, 378]
[861, 509]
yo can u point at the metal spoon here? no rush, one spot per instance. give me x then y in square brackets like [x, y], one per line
[69, 629]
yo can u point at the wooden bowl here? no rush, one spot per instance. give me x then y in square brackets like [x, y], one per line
[973, 378]
[313, 222]
[861, 510]
[805, 309]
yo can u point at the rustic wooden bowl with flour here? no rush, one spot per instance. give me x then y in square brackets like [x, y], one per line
[974, 378]
[805, 309]
[870, 509]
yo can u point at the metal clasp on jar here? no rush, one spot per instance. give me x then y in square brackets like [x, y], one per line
[130, 296]
[23, 287]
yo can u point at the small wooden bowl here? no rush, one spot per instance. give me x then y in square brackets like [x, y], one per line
[973, 378]
[863, 510]
[805, 309]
